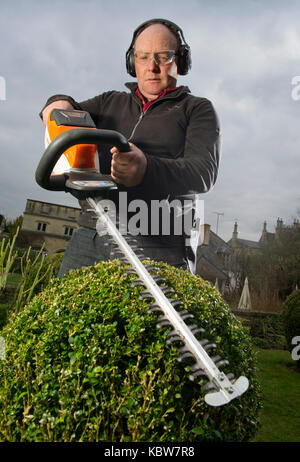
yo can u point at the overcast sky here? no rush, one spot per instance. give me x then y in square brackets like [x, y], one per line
[244, 57]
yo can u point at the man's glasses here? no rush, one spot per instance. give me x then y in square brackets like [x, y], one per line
[160, 57]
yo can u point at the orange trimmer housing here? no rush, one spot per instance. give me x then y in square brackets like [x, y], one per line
[80, 156]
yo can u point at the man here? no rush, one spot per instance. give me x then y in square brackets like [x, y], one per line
[174, 143]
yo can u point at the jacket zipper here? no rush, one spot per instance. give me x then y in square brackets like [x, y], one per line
[136, 125]
[142, 114]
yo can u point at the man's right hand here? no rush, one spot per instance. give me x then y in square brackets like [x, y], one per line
[60, 104]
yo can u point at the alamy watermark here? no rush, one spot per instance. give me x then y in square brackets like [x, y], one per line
[296, 350]
[177, 217]
[2, 349]
[296, 88]
[2, 88]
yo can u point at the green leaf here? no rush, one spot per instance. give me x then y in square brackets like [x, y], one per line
[198, 430]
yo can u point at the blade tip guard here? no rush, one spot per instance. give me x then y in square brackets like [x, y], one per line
[219, 398]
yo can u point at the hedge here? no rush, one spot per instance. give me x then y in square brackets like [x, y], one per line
[86, 362]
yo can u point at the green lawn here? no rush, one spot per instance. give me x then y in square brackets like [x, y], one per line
[280, 416]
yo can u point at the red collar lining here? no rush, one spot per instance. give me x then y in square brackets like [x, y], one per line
[146, 104]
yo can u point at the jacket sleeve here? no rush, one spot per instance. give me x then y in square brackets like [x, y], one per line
[54, 98]
[196, 171]
[92, 105]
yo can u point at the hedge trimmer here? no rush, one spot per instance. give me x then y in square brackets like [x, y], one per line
[68, 165]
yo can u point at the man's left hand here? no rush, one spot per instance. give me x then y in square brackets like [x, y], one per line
[128, 168]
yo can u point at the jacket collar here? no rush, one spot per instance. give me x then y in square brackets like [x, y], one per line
[181, 90]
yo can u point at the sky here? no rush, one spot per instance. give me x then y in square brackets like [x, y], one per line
[245, 59]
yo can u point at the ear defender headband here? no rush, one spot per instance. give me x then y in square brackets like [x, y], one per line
[184, 61]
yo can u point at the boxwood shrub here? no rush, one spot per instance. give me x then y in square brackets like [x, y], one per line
[86, 362]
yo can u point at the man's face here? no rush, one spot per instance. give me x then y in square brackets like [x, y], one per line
[152, 77]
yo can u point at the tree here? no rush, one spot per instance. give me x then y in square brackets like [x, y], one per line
[274, 271]
[13, 225]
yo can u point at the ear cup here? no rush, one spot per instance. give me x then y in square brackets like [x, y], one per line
[184, 61]
[130, 63]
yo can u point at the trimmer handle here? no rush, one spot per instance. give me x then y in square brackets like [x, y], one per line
[63, 142]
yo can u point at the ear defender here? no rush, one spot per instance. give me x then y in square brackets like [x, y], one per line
[184, 62]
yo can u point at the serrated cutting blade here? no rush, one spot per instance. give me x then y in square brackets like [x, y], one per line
[226, 390]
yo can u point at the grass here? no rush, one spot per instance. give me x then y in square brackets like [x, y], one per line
[280, 382]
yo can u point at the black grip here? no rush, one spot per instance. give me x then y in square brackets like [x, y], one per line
[63, 142]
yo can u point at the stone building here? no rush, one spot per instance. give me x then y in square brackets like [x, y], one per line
[215, 259]
[48, 224]
[249, 247]
[242, 245]
[280, 229]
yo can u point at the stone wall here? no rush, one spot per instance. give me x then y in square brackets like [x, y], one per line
[50, 224]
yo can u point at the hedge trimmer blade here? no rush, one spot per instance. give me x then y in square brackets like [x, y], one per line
[221, 387]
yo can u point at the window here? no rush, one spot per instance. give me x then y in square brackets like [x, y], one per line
[68, 231]
[41, 226]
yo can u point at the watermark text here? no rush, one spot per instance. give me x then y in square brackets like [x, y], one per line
[296, 88]
[2, 349]
[2, 88]
[296, 350]
[165, 217]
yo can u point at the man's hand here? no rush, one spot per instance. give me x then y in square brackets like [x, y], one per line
[128, 168]
[61, 104]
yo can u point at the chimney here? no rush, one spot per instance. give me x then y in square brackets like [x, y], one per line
[265, 227]
[235, 231]
[205, 234]
[278, 227]
[263, 236]
[279, 224]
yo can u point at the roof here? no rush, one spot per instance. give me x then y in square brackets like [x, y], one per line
[247, 243]
[243, 243]
[208, 265]
[218, 245]
[266, 236]
[51, 203]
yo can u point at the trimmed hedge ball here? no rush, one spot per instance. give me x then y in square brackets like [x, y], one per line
[86, 362]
